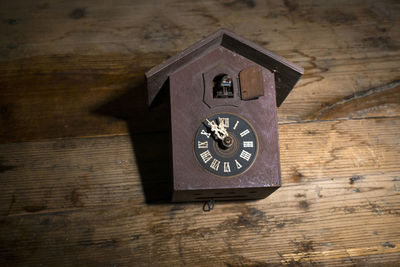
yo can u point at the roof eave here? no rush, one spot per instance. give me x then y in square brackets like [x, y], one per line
[286, 73]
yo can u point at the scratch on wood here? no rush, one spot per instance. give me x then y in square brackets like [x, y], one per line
[11, 21]
[241, 4]
[281, 225]
[379, 42]
[312, 73]
[108, 243]
[304, 246]
[135, 237]
[75, 198]
[349, 209]
[302, 254]
[11, 204]
[34, 208]
[297, 176]
[358, 95]
[336, 16]
[318, 191]
[355, 178]
[396, 188]
[377, 209]
[388, 245]
[240, 261]
[4, 168]
[250, 218]
[100, 243]
[78, 13]
[304, 205]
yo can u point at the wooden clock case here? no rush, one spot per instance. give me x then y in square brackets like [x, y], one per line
[190, 76]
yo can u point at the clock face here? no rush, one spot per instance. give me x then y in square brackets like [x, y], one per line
[225, 144]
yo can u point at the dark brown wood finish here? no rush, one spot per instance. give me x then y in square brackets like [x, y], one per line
[190, 76]
[188, 111]
[286, 73]
[251, 83]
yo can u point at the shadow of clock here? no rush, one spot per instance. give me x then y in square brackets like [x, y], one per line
[150, 136]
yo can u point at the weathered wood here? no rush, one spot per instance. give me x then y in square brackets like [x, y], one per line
[71, 69]
[78, 59]
[80, 201]
[382, 101]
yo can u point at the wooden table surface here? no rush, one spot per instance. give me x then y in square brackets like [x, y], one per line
[79, 150]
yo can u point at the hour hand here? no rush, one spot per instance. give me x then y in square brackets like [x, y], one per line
[212, 124]
[218, 130]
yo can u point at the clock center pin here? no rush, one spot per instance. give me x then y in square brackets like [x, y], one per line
[227, 142]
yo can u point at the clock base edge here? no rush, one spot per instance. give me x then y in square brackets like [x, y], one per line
[222, 194]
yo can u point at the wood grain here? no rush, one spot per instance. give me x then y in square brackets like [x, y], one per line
[80, 68]
[81, 154]
[80, 201]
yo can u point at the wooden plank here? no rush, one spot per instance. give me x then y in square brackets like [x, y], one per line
[79, 70]
[67, 101]
[382, 101]
[80, 201]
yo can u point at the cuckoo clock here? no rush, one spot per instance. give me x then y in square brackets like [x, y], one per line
[224, 92]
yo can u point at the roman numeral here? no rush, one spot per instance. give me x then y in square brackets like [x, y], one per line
[206, 156]
[202, 144]
[247, 143]
[227, 168]
[203, 132]
[244, 132]
[236, 124]
[225, 121]
[245, 155]
[238, 166]
[215, 164]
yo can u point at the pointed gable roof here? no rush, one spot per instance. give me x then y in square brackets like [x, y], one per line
[286, 73]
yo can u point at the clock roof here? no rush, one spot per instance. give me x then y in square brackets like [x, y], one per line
[286, 73]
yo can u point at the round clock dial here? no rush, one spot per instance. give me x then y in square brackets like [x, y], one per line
[225, 144]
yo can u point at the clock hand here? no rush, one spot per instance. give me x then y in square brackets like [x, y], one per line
[226, 139]
[211, 123]
[219, 132]
[221, 126]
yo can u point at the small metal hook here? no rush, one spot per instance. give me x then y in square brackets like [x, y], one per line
[208, 205]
